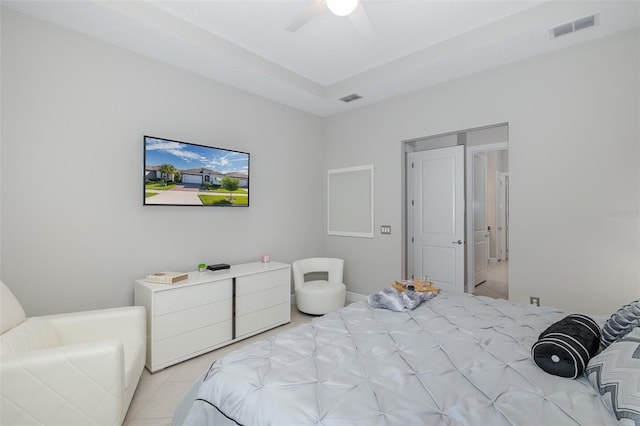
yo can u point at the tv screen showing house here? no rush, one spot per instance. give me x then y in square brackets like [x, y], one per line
[187, 174]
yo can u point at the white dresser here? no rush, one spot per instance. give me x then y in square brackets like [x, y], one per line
[212, 309]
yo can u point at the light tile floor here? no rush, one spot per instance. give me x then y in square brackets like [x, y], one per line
[497, 284]
[158, 394]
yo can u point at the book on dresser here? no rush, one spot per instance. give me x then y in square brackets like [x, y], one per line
[167, 277]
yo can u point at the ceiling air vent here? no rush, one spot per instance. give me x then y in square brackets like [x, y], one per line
[578, 24]
[350, 98]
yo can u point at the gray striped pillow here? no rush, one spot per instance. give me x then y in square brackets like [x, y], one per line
[615, 374]
[620, 323]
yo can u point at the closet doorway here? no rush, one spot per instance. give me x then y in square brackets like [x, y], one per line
[486, 208]
[488, 220]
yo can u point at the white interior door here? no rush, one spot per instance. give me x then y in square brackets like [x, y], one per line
[438, 216]
[471, 226]
[480, 234]
[502, 219]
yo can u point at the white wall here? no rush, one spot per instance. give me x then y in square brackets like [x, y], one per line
[574, 161]
[74, 232]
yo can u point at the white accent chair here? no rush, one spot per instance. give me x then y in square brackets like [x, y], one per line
[318, 297]
[69, 369]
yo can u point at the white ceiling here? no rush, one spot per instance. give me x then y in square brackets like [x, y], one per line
[419, 43]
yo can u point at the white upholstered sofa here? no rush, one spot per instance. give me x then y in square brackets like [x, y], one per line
[69, 369]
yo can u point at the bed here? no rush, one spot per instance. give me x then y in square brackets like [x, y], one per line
[456, 359]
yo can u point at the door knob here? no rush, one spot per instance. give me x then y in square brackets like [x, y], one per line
[457, 242]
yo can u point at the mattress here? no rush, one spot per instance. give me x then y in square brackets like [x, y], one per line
[455, 360]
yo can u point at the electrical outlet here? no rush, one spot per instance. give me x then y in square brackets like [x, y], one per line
[385, 229]
[534, 301]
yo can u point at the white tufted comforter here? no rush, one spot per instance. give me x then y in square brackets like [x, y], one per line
[455, 360]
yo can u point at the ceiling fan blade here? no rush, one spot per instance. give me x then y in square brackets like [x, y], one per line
[361, 20]
[308, 14]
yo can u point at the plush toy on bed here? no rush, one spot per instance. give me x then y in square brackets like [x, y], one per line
[565, 347]
[400, 298]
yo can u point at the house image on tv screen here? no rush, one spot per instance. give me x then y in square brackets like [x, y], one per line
[197, 176]
[180, 173]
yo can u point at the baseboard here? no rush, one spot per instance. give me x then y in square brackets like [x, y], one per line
[355, 297]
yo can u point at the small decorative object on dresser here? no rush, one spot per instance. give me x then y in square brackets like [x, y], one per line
[218, 267]
[211, 310]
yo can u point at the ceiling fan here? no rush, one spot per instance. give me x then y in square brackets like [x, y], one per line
[351, 8]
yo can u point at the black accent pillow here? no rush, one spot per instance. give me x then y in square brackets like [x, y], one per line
[565, 347]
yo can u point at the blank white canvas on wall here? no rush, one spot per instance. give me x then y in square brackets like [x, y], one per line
[350, 201]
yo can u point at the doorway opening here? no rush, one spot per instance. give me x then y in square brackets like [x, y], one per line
[488, 220]
[497, 283]
[484, 230]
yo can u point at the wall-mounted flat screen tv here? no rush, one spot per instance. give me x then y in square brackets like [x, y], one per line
[187, 174]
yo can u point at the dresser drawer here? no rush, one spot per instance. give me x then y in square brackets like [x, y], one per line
[200, 314]
[186, 297]
[263, 319]
[263, 281]
[183, 345]
[263, 299]
[183, 321]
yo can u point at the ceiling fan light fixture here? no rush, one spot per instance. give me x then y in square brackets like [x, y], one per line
[342, 7]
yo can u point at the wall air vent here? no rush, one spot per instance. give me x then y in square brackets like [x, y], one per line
[573, 26]
[350, 98]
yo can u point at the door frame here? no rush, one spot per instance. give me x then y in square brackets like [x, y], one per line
[470, 150]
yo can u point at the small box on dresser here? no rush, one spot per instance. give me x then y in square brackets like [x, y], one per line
[212, 309]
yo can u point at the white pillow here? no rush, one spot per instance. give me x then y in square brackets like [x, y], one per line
[615, 374]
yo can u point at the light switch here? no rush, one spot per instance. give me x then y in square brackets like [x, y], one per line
[385, 229]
